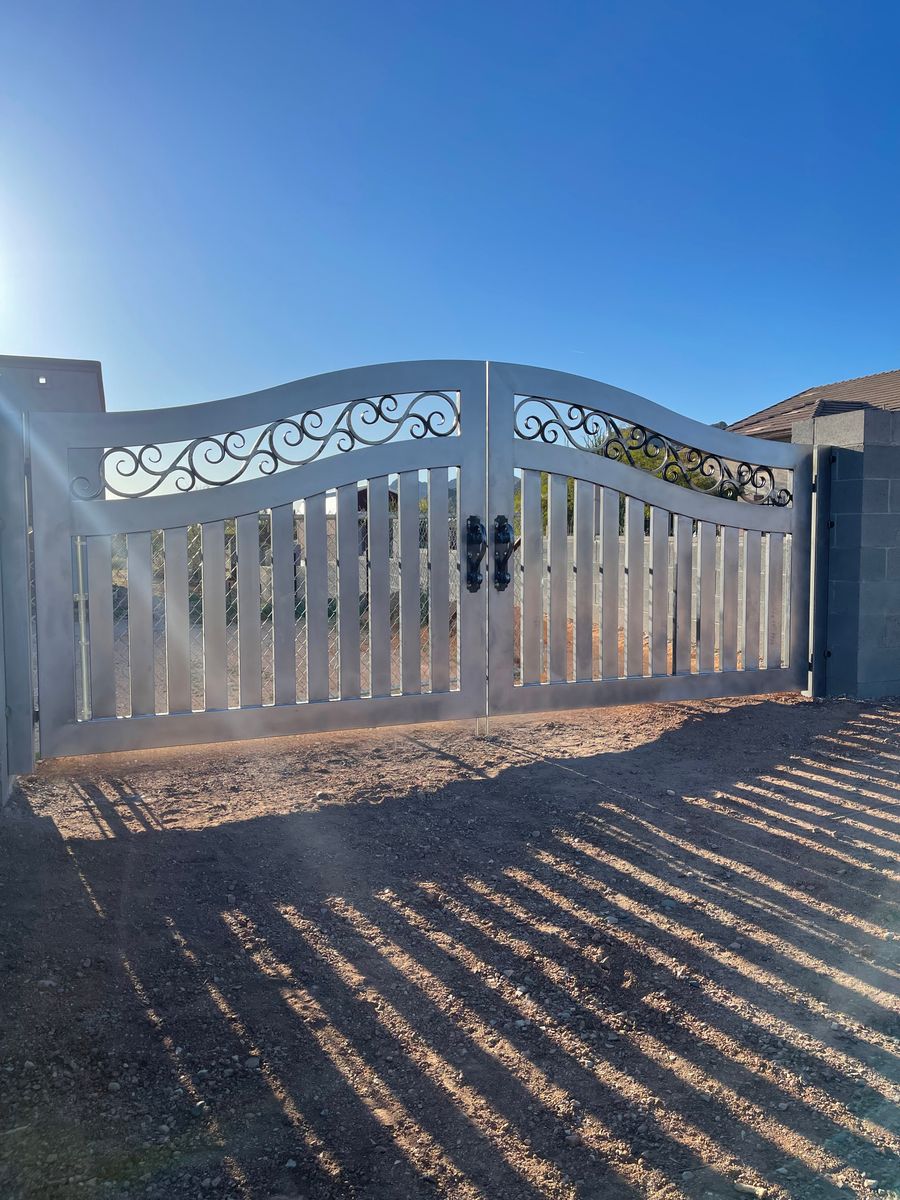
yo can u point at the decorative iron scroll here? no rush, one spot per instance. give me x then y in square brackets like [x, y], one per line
[286, 442]
[540, 419]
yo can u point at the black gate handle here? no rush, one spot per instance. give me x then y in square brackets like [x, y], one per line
[476, 548]
[503, 548]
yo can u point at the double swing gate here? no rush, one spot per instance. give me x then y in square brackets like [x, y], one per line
[405, 542]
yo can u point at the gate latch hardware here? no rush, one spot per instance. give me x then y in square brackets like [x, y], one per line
[503, 548]
[476, 548]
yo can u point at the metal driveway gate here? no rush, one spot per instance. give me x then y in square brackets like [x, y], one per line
[405, 542]
[659, 558]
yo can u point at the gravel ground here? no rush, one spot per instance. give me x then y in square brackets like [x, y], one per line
[637, 952]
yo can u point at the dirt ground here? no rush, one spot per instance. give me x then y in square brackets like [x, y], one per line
[642, 952]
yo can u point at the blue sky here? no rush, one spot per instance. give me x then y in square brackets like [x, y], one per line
[695, 201]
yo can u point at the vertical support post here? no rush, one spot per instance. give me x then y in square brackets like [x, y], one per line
[29, 386]
[82, 627]
[53, 587]
[818, 596]
[799, 598]
[17, 717]
[498, 613]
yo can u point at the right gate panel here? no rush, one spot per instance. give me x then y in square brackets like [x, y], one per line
[655, 558]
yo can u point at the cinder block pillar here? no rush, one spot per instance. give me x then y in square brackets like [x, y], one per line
[861, 637]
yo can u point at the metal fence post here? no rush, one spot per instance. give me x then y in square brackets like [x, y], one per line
[821, 536]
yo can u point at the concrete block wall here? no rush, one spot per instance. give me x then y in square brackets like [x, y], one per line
[862, 637]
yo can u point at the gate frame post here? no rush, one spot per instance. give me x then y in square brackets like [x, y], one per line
[17, 717]
[500, 499]
[819, 548]
[27, 385]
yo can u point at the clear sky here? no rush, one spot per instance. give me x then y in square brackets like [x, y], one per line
[696, 201]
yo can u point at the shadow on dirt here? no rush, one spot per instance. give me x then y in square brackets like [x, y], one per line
[578, 977]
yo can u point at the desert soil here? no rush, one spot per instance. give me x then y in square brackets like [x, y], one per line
[641, 952]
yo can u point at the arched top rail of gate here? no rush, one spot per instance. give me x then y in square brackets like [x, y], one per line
[292, 425]
[215, 417]
[557, 409]
[155, 454]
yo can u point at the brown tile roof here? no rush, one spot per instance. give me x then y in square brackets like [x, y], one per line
[877, 391]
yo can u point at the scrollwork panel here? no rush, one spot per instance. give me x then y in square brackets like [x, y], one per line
[538, 418]
[132, 472]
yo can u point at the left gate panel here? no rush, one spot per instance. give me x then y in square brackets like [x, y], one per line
[319, 589]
